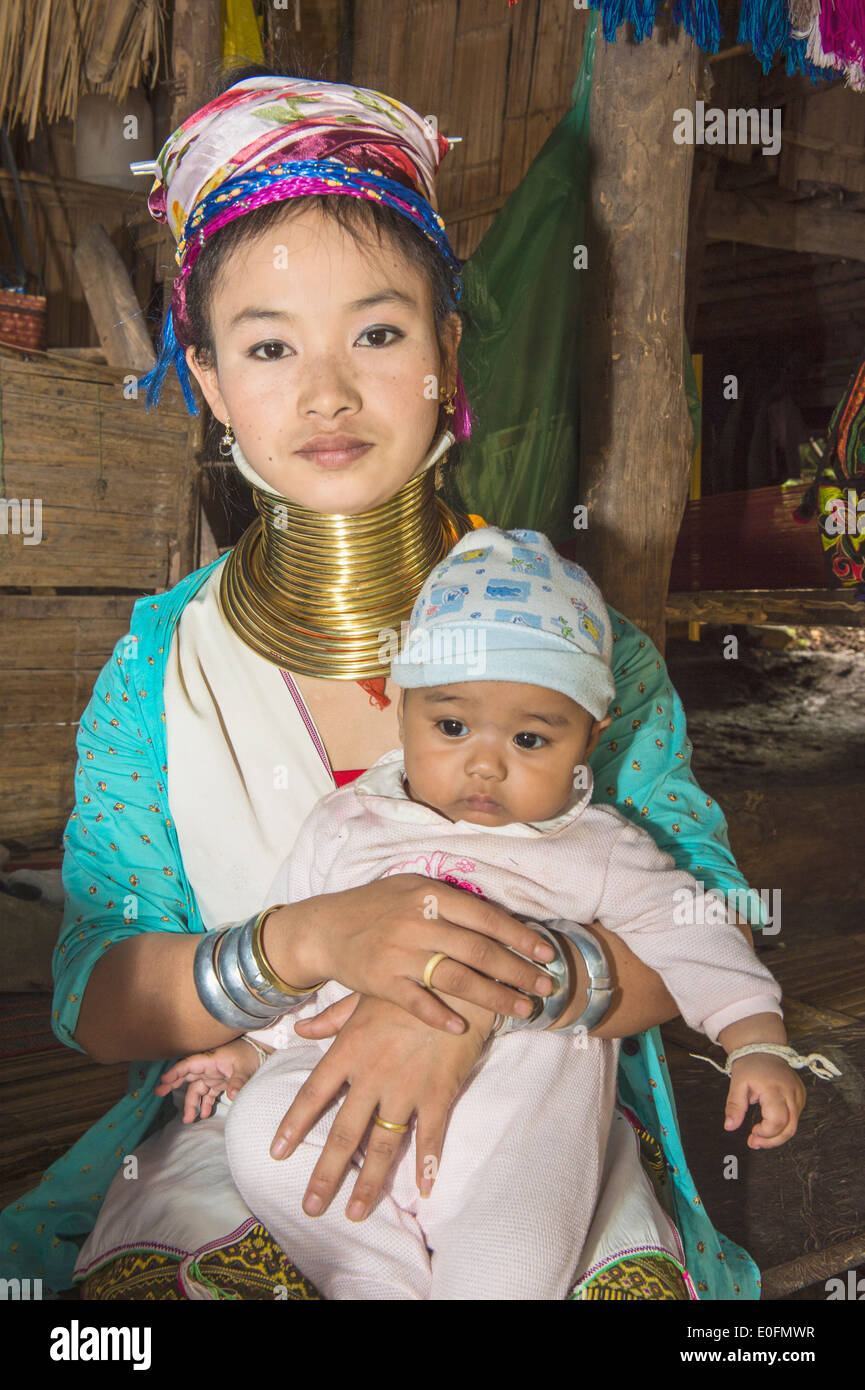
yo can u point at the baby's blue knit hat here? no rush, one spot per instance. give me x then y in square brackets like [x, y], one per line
[505, 606]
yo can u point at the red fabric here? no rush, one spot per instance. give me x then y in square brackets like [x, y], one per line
[342, 777]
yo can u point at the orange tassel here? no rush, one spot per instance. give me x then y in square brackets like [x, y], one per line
[374, 688]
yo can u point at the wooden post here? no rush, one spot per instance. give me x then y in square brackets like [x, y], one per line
[702, 188]
[196, 54]
[636, 436]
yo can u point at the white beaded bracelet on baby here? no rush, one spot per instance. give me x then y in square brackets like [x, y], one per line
[815, 1061]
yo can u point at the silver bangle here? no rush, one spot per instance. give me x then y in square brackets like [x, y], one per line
[599, 992]
[548, 1007]
[253, 976]
[211, 992]
[233, 979]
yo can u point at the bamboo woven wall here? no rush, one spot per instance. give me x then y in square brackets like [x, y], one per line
[500, 77]
[118, 490]
[53, 650]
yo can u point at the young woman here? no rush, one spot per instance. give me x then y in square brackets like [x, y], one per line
[317, 307]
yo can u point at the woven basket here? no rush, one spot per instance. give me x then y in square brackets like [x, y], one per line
[22, 319]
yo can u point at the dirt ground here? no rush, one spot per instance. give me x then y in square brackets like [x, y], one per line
[792, 715]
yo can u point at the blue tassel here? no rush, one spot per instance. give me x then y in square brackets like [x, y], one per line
[765, 25]
[798, 61]
[612, 16]
[700, 19]
[169, 351]
[641, 14]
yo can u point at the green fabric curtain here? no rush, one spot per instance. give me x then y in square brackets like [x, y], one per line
[520, 352]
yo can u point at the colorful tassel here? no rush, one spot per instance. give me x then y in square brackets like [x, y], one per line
[699, 18]
[842, 30]
[818, 38]
[765, 25]
[170, 352]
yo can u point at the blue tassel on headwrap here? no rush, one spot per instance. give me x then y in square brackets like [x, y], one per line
[170, 352]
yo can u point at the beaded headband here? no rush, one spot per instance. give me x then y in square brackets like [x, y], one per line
[229, 158]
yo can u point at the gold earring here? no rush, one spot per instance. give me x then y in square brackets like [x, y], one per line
[226, 441]
[447, 400]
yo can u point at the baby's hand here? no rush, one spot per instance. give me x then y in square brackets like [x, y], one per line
[207, 1074]
[761, 1078]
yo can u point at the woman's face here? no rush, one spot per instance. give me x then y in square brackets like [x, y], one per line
[318, 336]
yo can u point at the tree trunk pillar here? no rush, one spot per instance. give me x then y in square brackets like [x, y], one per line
[636, 433]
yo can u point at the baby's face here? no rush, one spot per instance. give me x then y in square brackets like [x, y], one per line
[493, 752]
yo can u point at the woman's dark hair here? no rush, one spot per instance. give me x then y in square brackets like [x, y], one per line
[360, 217]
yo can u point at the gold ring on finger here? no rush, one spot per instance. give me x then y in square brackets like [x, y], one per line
[389, 1124]
[430, 967]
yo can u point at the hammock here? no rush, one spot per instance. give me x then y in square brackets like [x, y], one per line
[520, 350]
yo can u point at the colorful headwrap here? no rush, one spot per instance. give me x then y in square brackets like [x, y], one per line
[268, 139]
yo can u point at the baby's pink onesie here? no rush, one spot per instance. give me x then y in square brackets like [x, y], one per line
[524, 1149]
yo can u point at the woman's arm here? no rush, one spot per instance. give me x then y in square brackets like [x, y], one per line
[141, 1002]
[123, 961]
[641, 1000]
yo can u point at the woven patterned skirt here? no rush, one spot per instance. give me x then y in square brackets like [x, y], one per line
[254, 1267]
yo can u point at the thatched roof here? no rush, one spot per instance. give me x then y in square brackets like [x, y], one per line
[54, 52]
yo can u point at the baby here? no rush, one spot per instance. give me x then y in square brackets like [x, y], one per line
[506, 682]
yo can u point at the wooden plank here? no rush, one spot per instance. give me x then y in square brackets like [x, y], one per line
[111, 300]
[775, 837]
[480, 77]
[45, 696]
[788, 226]
[556, 60]
[787, 607]
[802, 1197]
[747, 540]
[762, 314]
[54, 649]
[523, 20]
[86, 354]
[828, 137]
[49, 1100]
[814, 1268]
[425, 76]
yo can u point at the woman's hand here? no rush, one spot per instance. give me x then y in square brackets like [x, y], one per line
[393, 1066]
[377, 940]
